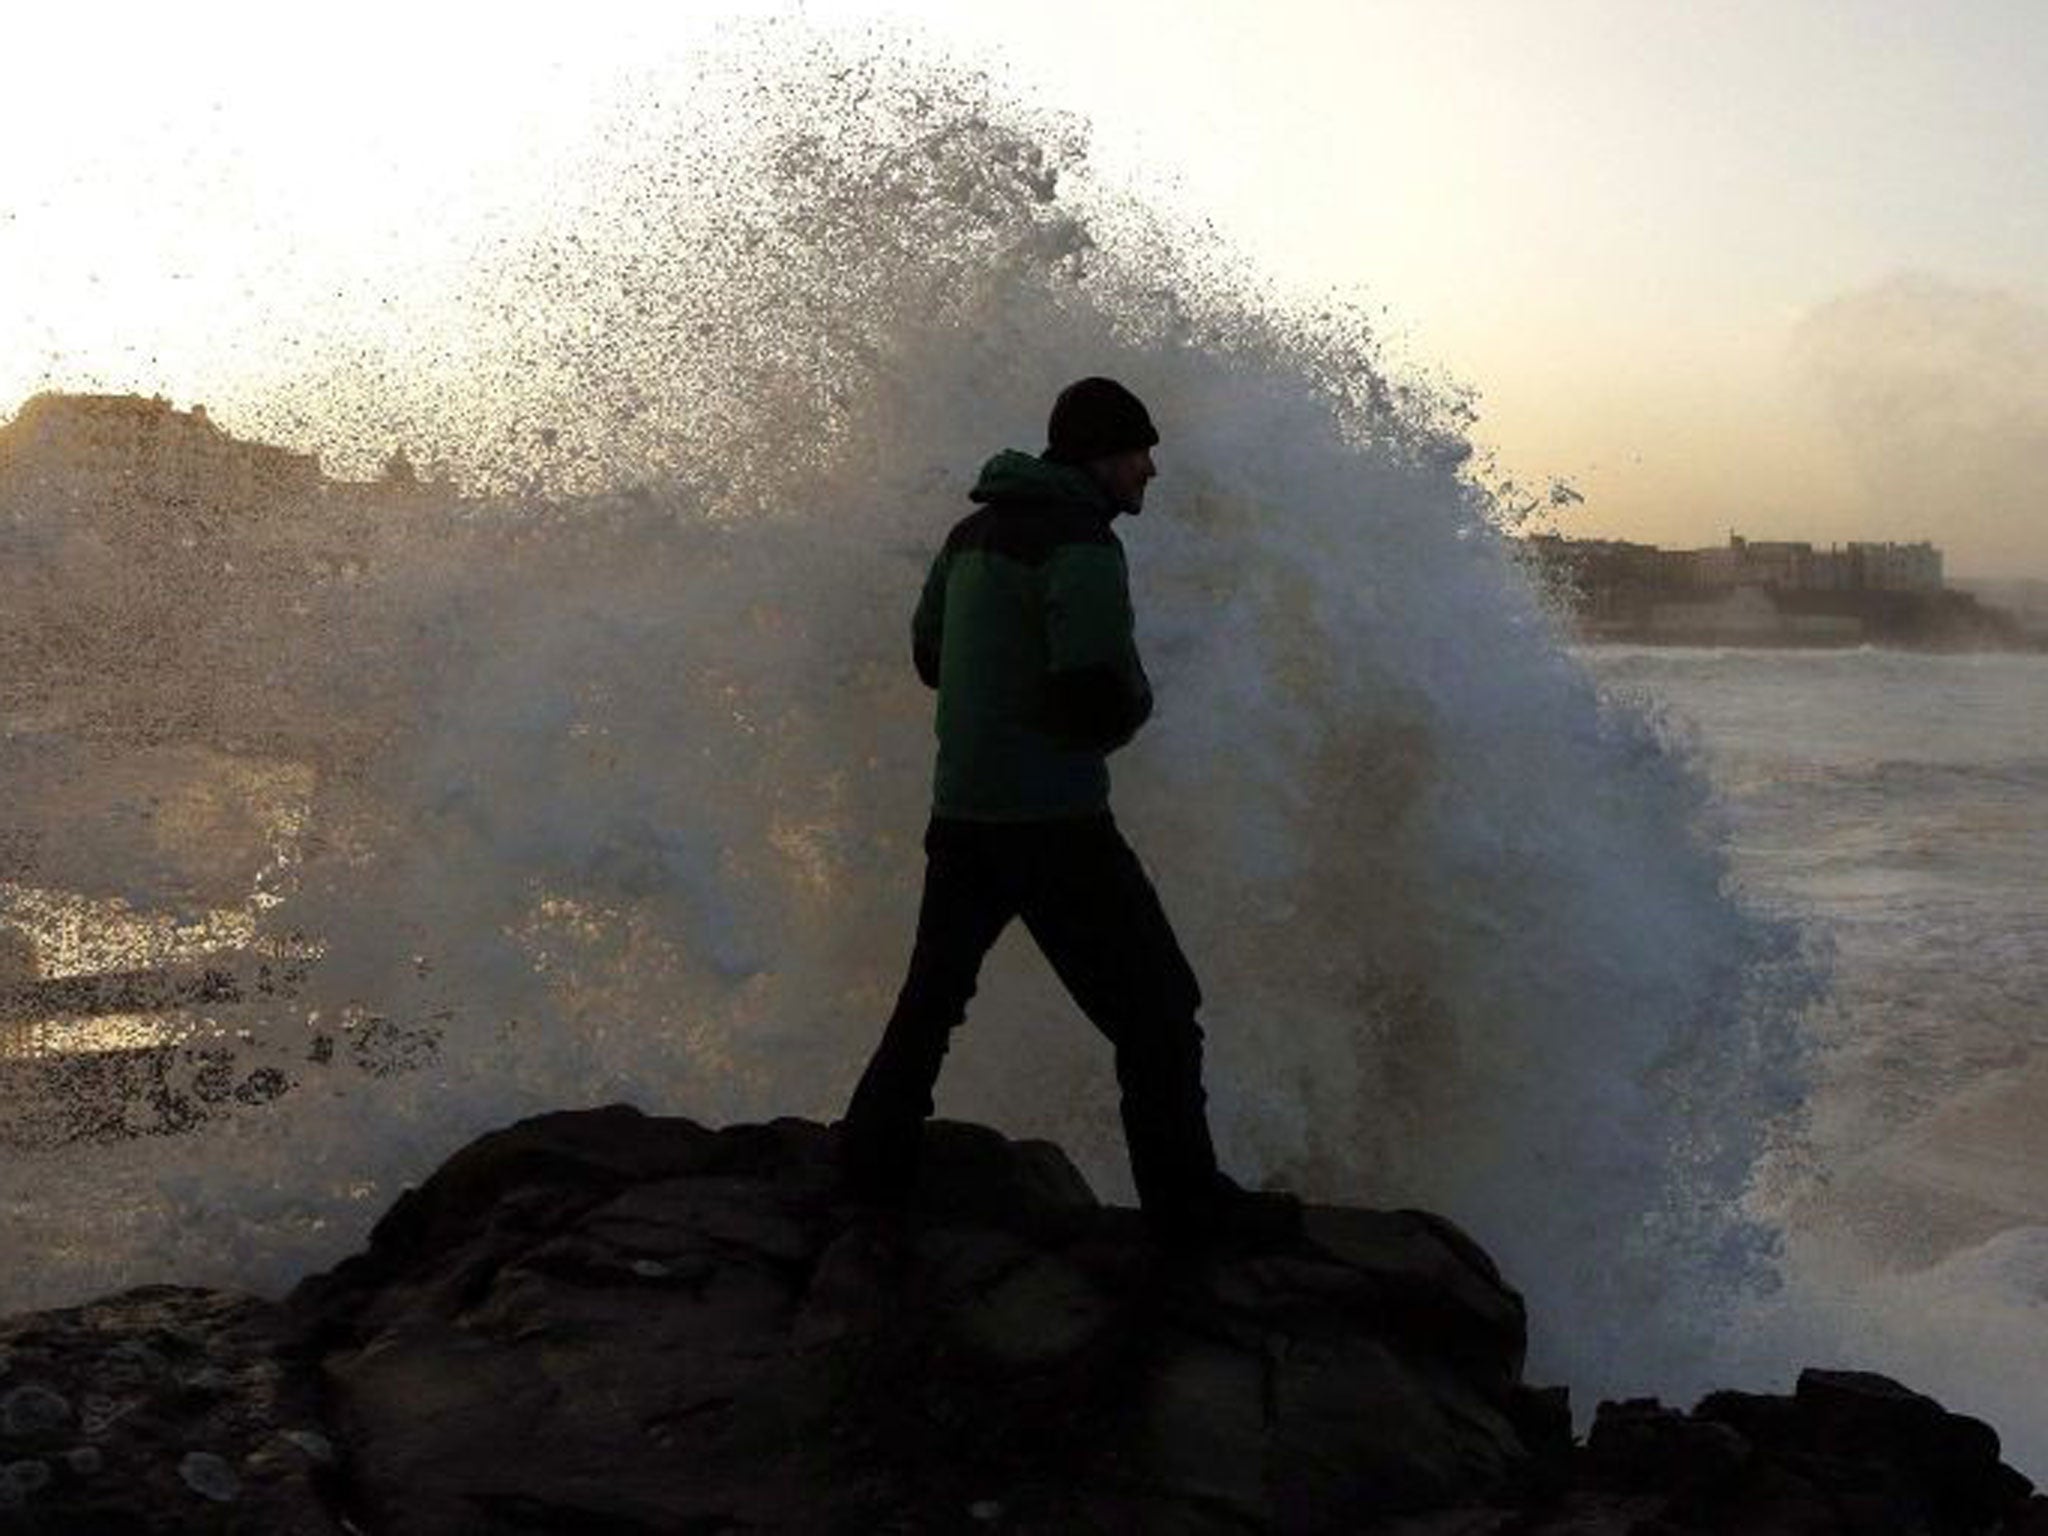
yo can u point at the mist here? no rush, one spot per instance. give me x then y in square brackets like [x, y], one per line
[1940, 393]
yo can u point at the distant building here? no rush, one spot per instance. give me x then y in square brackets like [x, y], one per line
[1754, 591]
[1782, 566]
[1896, 567]
[120, 449]
[1777, 565]
[1604, 577]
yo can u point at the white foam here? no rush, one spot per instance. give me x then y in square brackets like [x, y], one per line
[630, 798]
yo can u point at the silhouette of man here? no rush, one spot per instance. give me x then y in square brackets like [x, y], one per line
[1025, 629]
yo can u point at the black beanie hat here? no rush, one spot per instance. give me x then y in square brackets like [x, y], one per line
[1096, 417]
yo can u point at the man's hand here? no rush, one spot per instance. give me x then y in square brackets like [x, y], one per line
[1095, 708]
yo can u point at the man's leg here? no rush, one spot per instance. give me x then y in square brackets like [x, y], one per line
[1090, 906]
[966, 905]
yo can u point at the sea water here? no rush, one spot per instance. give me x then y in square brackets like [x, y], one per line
[609, 784]
[1897, 804]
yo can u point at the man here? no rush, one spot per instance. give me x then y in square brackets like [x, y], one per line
[1025, 630]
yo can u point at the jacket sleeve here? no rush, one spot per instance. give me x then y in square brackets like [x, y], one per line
[1096, 690]
[927, 625]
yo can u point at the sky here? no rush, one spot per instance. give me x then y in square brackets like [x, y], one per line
[1723, 265]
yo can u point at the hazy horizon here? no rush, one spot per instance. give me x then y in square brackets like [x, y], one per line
[1733, 269]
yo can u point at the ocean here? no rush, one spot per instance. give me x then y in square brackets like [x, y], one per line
[1697, 986]
[1896, 805]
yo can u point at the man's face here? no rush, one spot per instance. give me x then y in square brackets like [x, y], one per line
[1123, 475]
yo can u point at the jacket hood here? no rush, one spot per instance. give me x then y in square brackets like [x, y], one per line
[1015, 476]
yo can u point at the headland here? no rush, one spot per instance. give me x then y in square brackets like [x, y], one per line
[1774, 593]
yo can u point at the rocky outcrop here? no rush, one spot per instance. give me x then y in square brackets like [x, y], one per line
[1846, 1447]
[609, 1322]
[162, 1409]
[605, 1322]
[1847, 1453]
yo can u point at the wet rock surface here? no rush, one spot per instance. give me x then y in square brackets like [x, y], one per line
[1847, 1451]
[610, 1322]
[1846, 1454]
[161, 1409]
[605, 1322]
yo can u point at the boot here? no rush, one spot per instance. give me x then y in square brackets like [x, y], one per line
[1228, 1218]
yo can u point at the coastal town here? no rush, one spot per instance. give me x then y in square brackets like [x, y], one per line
[81, 451]
[146, 554]
[140, 461]
[1759, 592]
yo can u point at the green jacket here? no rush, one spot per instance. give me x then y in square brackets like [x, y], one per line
[1025, 629]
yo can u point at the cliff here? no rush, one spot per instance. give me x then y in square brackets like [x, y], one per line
[603, 1322]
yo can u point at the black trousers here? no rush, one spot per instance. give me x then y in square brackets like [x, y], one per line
[1089, 906]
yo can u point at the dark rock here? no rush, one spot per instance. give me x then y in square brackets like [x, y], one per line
[29, 1411]
[1947, 1459]
[1848, 1454]
[2028, 1519]
[634, 1323]
[1641, 1446]
[613, 1323]
[1542, 1416]
[489, 1199]
[209, 1477]
[26, 1477]
[1433, 1283]
[107, 1434]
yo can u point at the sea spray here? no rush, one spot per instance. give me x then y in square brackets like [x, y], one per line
[619, 773]
[1896, 801]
